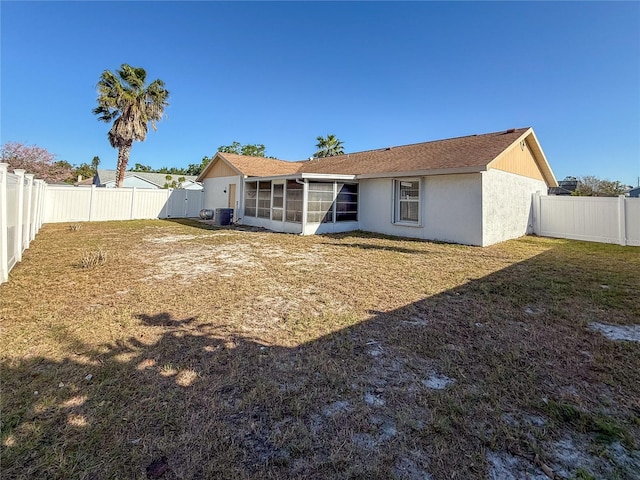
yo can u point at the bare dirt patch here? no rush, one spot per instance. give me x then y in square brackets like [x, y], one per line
[629, 333]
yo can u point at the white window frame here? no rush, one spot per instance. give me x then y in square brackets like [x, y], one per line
[397, 200]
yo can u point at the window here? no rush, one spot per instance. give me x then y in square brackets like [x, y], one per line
[250, 197]
[407, 201]
[264, 200]
[332, 202]
[347, 202]
[320, 202]
[327, 202]
[294, 202]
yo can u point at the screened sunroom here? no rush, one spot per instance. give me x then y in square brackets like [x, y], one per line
[305, 204]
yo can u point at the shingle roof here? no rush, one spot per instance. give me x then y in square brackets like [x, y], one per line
[86, 181]
[473, 151]
[260, 166]
[158, 179]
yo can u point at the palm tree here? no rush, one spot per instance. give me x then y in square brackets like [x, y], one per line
[125, 99]
[328, 147]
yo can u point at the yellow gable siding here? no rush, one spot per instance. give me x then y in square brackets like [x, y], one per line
[220, 169]
[518, 159]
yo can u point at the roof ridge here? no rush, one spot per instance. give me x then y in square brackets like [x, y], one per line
[259, 158]
[428, 141]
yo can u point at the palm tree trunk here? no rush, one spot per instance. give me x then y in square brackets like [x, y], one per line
[123, 159]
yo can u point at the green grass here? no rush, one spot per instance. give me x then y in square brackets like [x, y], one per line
[246, 354]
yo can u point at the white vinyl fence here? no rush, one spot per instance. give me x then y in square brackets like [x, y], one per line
[91, 204]
[26, 203]
[21, 200]
[594, 219]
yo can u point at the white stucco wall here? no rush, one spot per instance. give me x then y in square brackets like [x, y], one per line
[507, 207]
[338, 227]
[275, 226]
[214, 192]
[451, 209]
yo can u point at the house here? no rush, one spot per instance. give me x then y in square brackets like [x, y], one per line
[634, 192]
[107, 178]
[565, 187]
[474, 190]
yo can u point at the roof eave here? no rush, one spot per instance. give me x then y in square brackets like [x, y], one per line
[144, 180]
[284, 176]
[424, 173]
[547, 173]
[328, 176]
[301, 176]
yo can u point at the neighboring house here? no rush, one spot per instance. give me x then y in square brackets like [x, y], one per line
[107, 178]
[474, 190]
[634, 192]
[87, 182]
[565, 187]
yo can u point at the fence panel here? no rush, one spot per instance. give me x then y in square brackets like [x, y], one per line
[67, 204]
[64, 204]
[194, 202]
[20, 215]
[632, 227]
[149, 203]
[176, 204]
[12, 224]
[27, 184]
[593, 219]
[111, 204]
[184, 204]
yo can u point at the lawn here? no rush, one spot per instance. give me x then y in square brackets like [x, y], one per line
[176, 350]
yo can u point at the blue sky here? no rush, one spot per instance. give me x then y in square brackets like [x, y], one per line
[375, 74]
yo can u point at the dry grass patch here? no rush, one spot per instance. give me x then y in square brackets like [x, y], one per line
[246, 354]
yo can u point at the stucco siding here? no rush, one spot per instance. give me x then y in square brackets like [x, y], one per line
[450, 209]
[215, 195]
[337, 227]
[285, 227]
[507, 206]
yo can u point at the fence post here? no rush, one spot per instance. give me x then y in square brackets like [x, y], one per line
[37, 211]
[4, 254]
[28, 207]
[19, 214]
[622, 226]
[34, 211]
[536, 212]
[92, 203]
[41, 202]
[169, 211]
[133, 202]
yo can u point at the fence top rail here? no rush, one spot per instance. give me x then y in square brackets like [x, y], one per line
[111, 189]
[576, 198]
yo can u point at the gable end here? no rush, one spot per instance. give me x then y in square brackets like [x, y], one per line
[524, 157]
[218, 167]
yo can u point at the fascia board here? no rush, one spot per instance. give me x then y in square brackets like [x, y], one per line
[423, 173]
[328, 176]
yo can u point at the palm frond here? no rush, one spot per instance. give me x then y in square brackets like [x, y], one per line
[124, 99]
